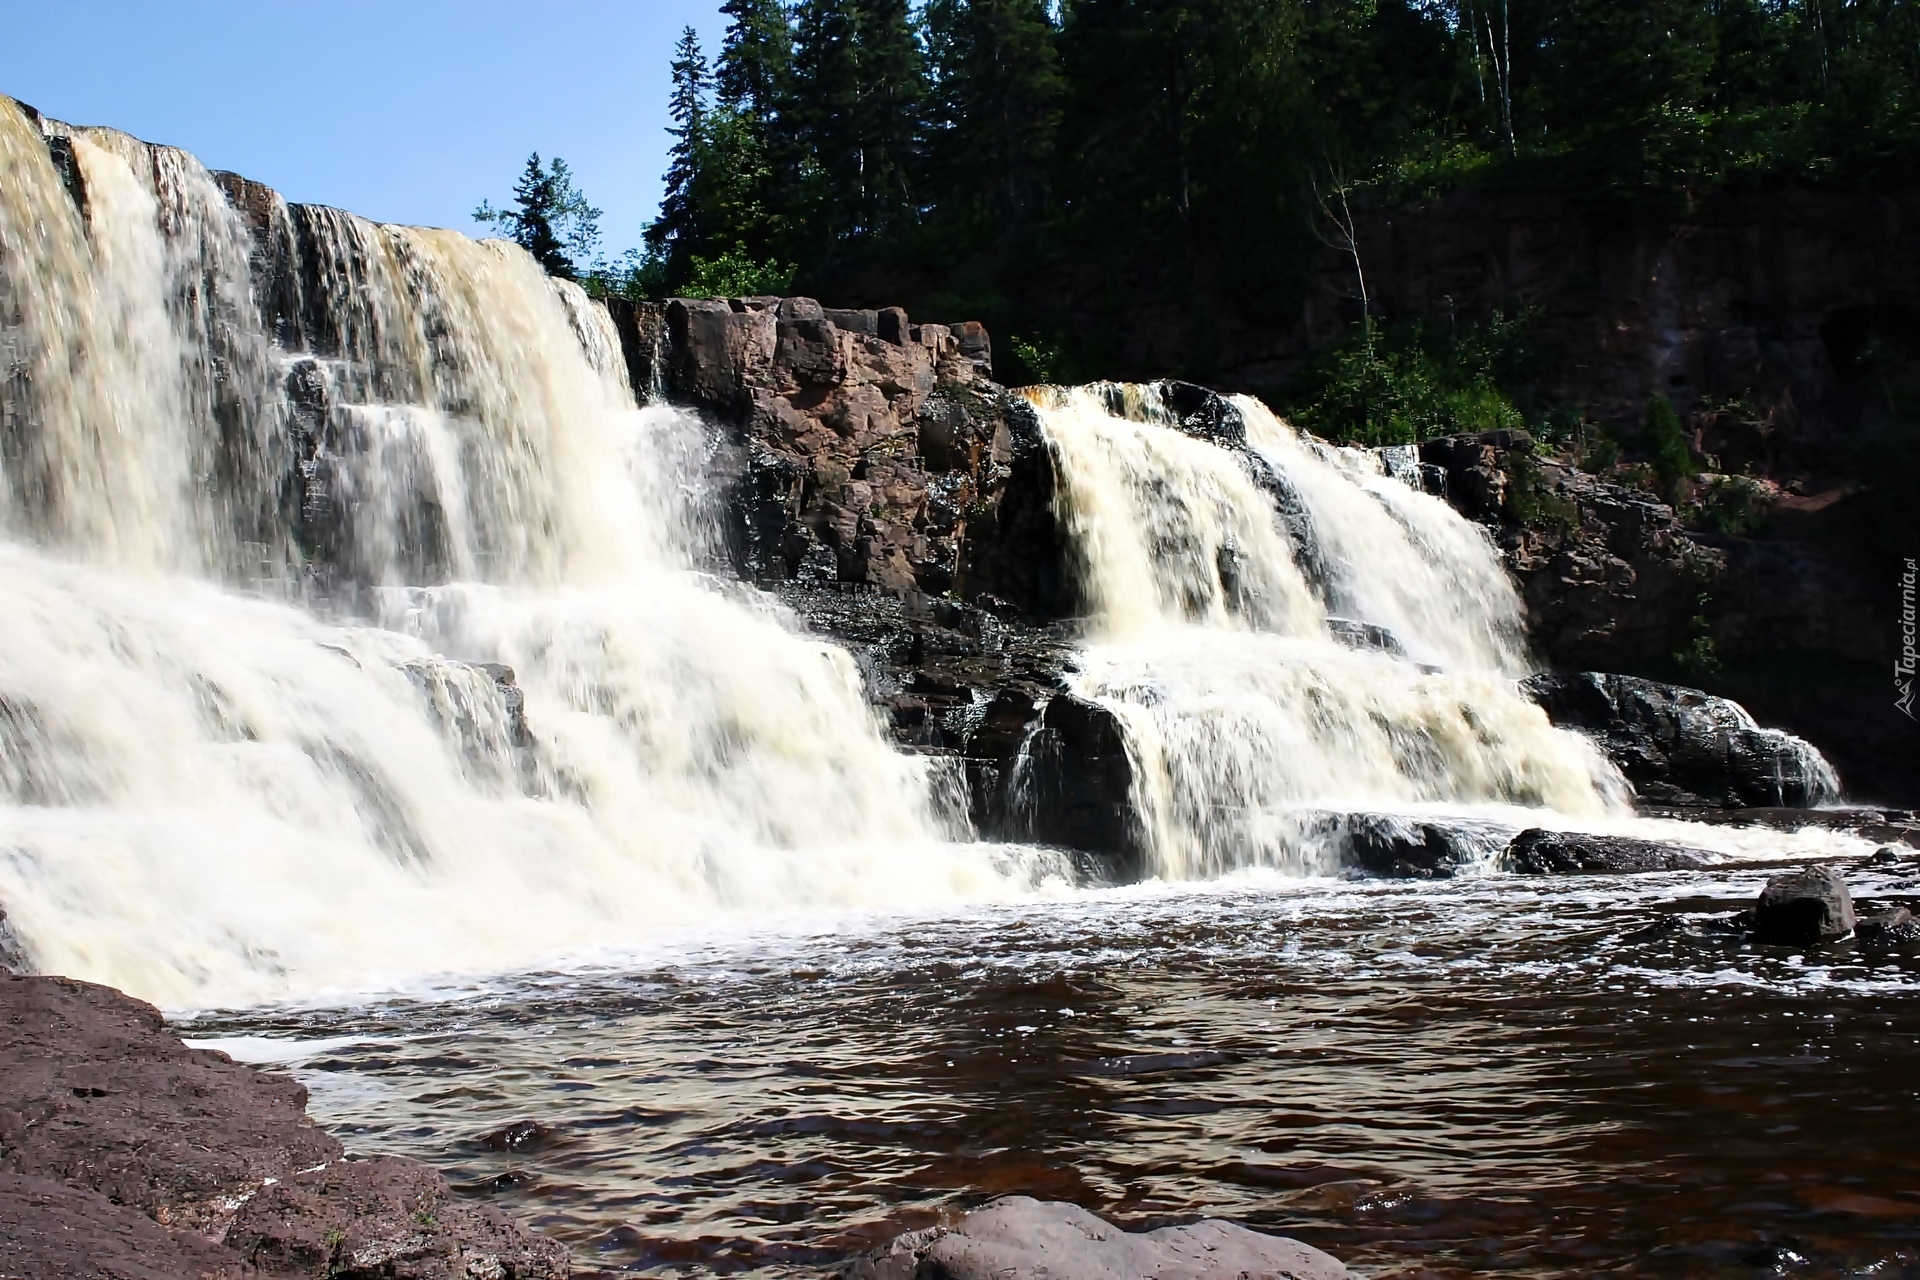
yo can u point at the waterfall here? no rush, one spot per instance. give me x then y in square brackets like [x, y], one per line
[286, 494]
[1229, 585]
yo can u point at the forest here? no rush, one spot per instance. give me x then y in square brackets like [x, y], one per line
[1060, 170]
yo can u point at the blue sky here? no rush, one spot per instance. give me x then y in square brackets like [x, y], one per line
[405, 111]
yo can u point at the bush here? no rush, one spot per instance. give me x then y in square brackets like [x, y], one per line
[1667, 443]
[1408, 383]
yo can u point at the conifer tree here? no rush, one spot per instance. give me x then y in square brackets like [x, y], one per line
[994, 109]
[676, 233]
[551, 219]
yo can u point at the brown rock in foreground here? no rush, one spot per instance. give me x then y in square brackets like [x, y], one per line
[124, 1153]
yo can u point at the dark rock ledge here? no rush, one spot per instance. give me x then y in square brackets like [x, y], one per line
[125, 1154]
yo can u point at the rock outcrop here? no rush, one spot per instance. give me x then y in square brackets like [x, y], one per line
[1019, 1238]
[1681, 746]
[120, 1145]
[865, 450]
[1535, 852]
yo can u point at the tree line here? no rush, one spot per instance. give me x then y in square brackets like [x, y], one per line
[970, 155]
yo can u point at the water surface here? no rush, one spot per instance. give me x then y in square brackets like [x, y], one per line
[1489, 1075]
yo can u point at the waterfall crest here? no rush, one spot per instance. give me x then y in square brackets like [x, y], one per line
[264, 466]
[1225, 581]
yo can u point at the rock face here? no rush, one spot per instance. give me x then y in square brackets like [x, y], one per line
[1018, 1238]
[1403, 848]
[868, 451]
[1684, 747]
[182, 1163]
[1803, 908]
[1535, 852]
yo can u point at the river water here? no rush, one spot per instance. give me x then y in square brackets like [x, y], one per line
[1475, 1076]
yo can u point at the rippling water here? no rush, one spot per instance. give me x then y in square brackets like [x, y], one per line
[1467, 1077]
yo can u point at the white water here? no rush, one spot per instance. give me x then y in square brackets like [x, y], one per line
[216, 793]
[1245, 719]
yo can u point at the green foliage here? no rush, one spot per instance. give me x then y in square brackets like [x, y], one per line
[1697, 656]
[1404, 384]
[550, 219]
[1531, 500]
[1666, 441]
[1599, 452]
[1059, 165]
[734, 275]
[1733, 505]
[1034, 362]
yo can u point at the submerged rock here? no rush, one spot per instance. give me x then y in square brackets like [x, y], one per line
[1803, 907]
[1019, 1238]
[1682, 746]
[1886, 926]
[1535, 852]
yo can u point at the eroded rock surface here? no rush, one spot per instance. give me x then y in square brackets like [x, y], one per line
[1535, 852]
[1682, 746]
[182, 1163]
[1019, 1238]
[867, 450]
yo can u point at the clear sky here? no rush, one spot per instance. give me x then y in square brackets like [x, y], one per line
[404, 111]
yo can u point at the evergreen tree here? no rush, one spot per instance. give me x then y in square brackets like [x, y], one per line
[995, 110]
[756, 59]
[551, 219]
[888, 122]
[823, 112]
[676, 234]
[753, 79]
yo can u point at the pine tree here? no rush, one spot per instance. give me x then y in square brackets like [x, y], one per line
[677, 233]
[753, 79]
[756, 59]
[552, 219]
[823, 111]
[995, 109]
[888, 115]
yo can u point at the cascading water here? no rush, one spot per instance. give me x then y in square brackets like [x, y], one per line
[248, 506]
[1247, 720]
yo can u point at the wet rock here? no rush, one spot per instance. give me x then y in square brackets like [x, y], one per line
[1365, 636]
[52, 1231]
[1682, 746]
[1018, 1238]
[1885, 856]
[13, 952]
[381, 1218]
[1886, 926]
[1536, 852]
[118, 1142]
[1802, 908]
[1080, 789]
[521, 1135]
[1404, 848]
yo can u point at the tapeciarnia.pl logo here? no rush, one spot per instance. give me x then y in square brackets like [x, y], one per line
[1903, 669]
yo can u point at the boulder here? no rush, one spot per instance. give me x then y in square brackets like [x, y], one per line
[1535, 852]
[1404, 848]
[1019, 1238]
[1685, 747]
[1078, 792]
[120, 1145]
[1803, 908]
